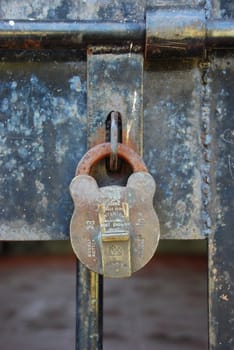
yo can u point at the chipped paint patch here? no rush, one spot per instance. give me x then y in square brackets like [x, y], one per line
[43, 124]
[173, 152]
[42, 137]
[221, 252]
[20, 230]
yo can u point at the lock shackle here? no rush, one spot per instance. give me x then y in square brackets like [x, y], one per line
[102, 150]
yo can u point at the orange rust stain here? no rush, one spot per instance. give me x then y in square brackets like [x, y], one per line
[32, 44]
[100, 151]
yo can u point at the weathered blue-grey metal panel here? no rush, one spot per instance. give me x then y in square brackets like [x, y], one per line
[43, 133]
[115, 83]
[86, 9]
[44, 123]
[173, 147]
[221, 247]
[220, 77]
[188, 140]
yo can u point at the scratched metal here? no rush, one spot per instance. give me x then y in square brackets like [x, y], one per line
[173, 147]
[221, 247]
[42, 134]
[115, 83]
[114, 229]
[220, 77]
[44, 124]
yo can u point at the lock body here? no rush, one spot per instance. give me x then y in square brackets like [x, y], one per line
[114, 229]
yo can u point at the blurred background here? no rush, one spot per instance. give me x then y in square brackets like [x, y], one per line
[163, 306]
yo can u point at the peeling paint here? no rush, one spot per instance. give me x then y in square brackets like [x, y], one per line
[188, 141]
[85, 9]
[221, 252]
[21, 231]
[42, 136]
[173, 153]
[43, 124]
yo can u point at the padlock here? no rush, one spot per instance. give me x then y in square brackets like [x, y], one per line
[114, 230]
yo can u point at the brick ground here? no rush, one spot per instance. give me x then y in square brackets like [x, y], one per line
[163, 307]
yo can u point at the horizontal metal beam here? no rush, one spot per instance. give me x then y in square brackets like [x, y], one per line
[220, 34]
[177, 33]
[165, 33]
[69, 35]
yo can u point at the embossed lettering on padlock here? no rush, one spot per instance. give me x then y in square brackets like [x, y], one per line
[114, 229]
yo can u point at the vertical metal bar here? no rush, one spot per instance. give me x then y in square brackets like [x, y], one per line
[221, 245]
[89, 309]
[221, 261]
[221, 289]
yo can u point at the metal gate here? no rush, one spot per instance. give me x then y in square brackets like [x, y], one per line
[167, 67]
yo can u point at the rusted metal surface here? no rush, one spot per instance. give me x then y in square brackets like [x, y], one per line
[114, 229]
[166, 32]
[102, 150]
[43, 132]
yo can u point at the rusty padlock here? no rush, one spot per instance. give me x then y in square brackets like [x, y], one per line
[114, 229]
